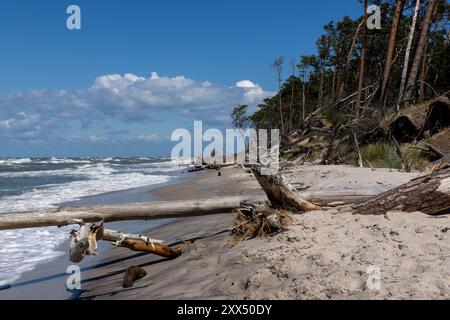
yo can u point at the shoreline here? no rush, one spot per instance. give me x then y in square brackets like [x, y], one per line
[50, 275]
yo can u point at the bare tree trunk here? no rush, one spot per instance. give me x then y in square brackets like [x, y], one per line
[349, 59]
[429, 194]
[408, 52]
[391, 47]
[335, 83]
[281, 107]
[304, 101]
[420, 50]
[358, 150]
[322, 80]
[423, 74]
[362, 64]
[292, 95]
[277, 66]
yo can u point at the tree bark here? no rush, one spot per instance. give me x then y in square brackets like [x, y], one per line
[361, 64]
[408, 52]
[420, 50]
[142, 211]
[429, 194]
[391, 47]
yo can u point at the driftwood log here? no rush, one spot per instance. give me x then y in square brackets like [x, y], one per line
[141, 244]
[429, 193]
[141, 211]
[84, 242]
[280, 195]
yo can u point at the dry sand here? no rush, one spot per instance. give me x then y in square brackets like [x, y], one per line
[322, 256]
[325, 184]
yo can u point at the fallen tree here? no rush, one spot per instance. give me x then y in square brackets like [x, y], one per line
[140, 211]
[83, 242]
[429, 193]
[280, 195]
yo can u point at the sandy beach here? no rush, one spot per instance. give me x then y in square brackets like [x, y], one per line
[323, 255]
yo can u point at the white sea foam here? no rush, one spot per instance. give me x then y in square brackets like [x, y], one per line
[15, 161]
[22, 250]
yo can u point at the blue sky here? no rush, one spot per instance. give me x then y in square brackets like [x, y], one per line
[139, 69]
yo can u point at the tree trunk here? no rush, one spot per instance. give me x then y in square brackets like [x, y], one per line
[140, 244]
[280, 195]
[408, 52]
[292, 99]
[281, 107]
[420, 50]
[429, 194]
[336, 70]
[142, 211]
[322, 80]
[303, 102]
[362, 64]
[423, 74]
[343, 82]
[391, 47]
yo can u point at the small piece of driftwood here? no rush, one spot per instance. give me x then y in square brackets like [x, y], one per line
[133, 274]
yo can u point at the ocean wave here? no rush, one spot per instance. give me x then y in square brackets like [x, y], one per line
[98, 169]
[43, 198]
[63, 161]
[87, 170]
[24, 249]
[32, 174]
[13, 161]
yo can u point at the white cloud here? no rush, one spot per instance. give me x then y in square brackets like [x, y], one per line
[126, 97]
[253, 92]
[97, 139]
[148, 137]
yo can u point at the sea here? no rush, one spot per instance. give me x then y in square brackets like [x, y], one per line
[28, 184]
